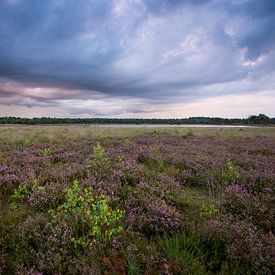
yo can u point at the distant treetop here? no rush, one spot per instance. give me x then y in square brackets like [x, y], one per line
[251, 120]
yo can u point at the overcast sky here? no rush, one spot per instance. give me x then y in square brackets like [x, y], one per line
[137, 58]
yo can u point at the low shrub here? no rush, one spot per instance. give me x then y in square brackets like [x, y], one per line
[46, 152]
[21, 193]
[189, 133]
[155, 217]
[94, 218]
[230, 174]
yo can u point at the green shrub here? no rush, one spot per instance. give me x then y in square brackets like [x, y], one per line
[208, 211]
[21, 192]
[16, 142]
[230, 174]
[2, 157]
[119, 158]
[127, 142]
[159, 132]
[99, 157]
[189, 133]
[46, 152]
[99, 153]
[92, 215]
[27, 142]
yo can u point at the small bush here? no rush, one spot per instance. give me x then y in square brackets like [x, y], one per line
[47, 196]
[27, 142]
[239, 202]
[154, 217]
[99, 157]
[21, 193]
[91, 214]
[159, 132]
[208, 211]
[8, 181]
[127, 142]
[46, 152]
[189, 133]
[230, 174]
[99, 154]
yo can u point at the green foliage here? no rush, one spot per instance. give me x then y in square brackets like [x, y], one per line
[133, 268]
[200, 253]
[99, 157]
[27, 142]
[43, 139]
[81, 242]
[189, 133]
[92, 215]
[254, 119]
[15, 142]
[119, 158]
[159, 132]
[230, 174]
[46, 152]
[171, 246]
[184, 248]
[99, 154]
[182, 245]
[260, 119]
[2, 157]
[127, 142]
[21, 192]
[103, 140]
[208, 211]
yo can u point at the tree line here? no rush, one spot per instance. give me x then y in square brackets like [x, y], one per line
[260, 119]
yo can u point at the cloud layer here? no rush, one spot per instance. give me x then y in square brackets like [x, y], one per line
[136, 58]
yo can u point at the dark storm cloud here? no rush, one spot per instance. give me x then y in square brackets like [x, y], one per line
[262, 19]
[155, 50]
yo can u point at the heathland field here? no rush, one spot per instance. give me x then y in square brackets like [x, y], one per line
[139, 200]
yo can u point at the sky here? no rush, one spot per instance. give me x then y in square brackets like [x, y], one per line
[137, 58]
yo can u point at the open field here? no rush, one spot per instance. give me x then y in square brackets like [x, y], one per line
[139, 200]
[18, 134]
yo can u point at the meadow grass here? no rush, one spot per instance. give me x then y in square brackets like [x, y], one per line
[20, 135]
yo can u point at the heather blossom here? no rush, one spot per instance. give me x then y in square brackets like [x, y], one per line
[160, 183]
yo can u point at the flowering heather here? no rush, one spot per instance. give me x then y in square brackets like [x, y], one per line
[47, 196]
[163, 217]
[3, 169]
[212, 198]
[152, 217]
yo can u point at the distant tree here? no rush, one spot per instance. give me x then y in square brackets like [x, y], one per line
[260, 119]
